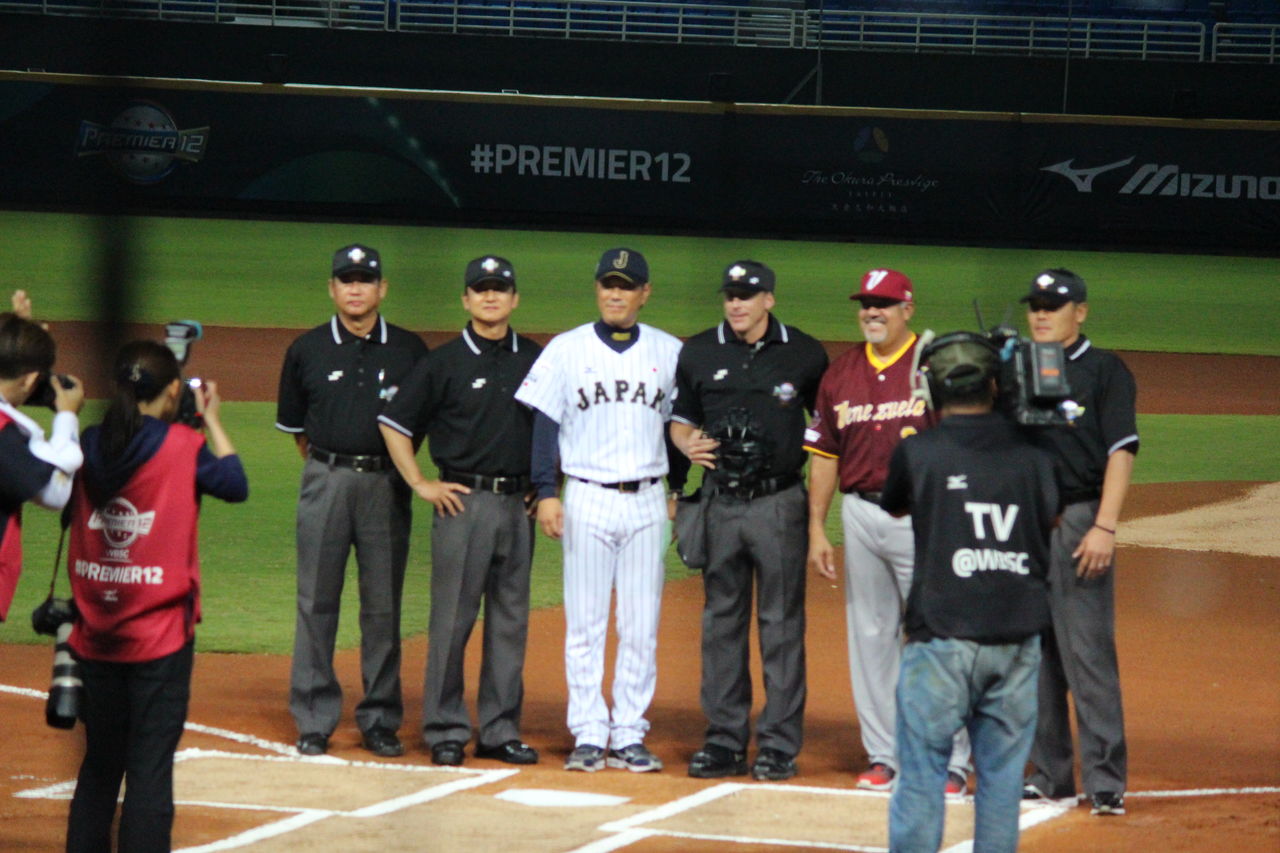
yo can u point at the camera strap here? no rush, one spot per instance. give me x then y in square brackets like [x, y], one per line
[57, 557]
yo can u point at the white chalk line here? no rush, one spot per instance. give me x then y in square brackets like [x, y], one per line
[625, 832]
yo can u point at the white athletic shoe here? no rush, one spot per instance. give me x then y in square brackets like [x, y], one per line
[586, 757]
[635, 758]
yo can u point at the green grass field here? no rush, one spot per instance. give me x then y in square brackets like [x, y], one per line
[250, 273]
[272, 274]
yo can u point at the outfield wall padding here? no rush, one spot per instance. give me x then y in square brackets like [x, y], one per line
[152, 146]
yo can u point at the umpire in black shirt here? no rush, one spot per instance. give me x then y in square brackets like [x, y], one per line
[743, 388]
[1096, 458]
[335, 381]
[463, 398]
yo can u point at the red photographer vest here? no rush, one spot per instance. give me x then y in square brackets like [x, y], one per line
[10, 549]
[134, 564]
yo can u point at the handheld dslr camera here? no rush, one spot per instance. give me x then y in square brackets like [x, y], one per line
[179, 337]
[43, 394]
[54, 618]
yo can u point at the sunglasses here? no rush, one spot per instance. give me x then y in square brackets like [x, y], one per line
[485, 286]
[877, 302]
[357, 278]
[619, 283]
[743, 293]
[1051, 306]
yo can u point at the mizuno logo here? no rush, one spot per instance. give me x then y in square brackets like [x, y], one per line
[957, 481]
[479, 383]
[1083, 178]
[720, 374]
[335, 376]
[1171, 180]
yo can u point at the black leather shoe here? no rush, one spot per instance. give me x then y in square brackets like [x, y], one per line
[447, 753]
[512, 752]
[773, 765]
[313, 743]
[380, 740]
[714, 761]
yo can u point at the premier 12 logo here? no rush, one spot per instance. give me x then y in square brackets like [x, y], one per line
[142, 143]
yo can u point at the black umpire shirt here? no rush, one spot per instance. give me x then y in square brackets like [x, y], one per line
[1101, 383]
[983, 500]
[334, 385]
[775, 380]
[462, 397]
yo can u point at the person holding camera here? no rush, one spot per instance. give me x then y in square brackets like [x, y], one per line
[865, 407]
[135, 581]
[334, 383]
[743, 387]
[32, 467]
[1097, 457]
[982, 499]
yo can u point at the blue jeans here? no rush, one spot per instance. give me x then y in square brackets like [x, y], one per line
[947, 684]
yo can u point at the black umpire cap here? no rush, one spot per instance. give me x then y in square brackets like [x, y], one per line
[490, 268]
[626, 264]
[357, 258]
[748, 275]
[1056, 286]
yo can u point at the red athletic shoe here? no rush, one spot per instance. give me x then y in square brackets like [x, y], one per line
[957, 785]
[877, 777]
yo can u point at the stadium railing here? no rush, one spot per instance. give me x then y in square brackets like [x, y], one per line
[775, 23]
[1246, 43]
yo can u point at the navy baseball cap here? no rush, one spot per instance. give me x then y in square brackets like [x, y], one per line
[490, 268]
[1057, 286]
[748, 275]
[626, 264]
[357, 258]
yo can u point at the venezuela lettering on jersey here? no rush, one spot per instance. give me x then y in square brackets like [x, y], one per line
[620, 393]
[889, 411]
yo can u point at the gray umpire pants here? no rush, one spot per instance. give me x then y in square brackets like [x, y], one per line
[764, 540]
[1080, 658]
[339, 508]
[481, 554]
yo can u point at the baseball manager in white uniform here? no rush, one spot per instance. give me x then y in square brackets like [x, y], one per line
[602, 394]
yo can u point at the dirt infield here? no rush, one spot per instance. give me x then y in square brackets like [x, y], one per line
[1168, 383]
[1199, 642]
[1200, 654]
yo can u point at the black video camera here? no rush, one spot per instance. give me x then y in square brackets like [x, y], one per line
[1033, 380]
[54, 617]
[179, 337]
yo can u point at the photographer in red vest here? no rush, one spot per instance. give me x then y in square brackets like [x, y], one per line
[135, 578]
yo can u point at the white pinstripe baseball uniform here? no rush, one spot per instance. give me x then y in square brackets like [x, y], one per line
[612, 408]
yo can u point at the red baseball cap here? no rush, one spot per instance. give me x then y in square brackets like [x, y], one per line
[885, 284]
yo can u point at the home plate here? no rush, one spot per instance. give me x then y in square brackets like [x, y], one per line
[549, 797]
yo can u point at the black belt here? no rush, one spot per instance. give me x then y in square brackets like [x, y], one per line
[758, 489]
[485, 483]
[623, 486]
[363, 464]
[873, 497]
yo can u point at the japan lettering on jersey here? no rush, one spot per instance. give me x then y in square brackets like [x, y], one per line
[612, 407]
[133, 562]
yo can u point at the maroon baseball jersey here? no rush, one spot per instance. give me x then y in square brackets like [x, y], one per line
[864, 409]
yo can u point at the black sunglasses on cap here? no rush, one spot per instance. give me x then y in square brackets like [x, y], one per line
[1050, 305]
[358, 278]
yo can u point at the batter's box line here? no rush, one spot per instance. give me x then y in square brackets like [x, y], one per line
[631, 829]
